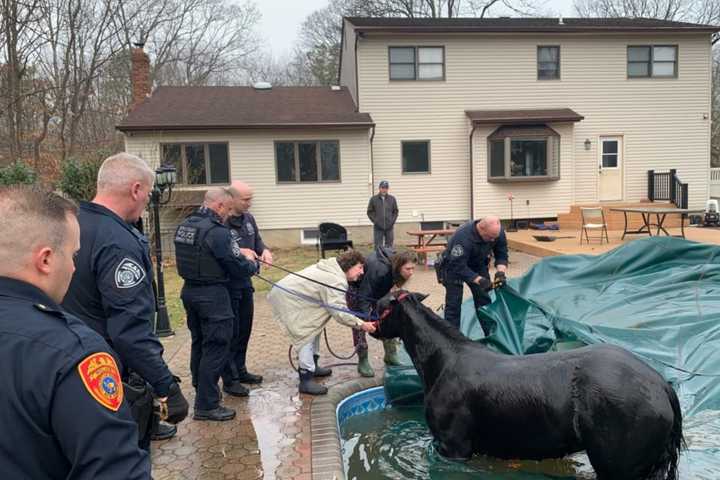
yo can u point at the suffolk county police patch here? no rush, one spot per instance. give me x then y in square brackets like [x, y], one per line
[101, 377]
[457, 251]
[128, 274]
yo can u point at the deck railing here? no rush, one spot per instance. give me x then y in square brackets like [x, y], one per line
[667, 186]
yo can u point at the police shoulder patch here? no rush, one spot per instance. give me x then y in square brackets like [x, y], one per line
[128, 273]
[249, 228]
[101, 378]
[457, 251]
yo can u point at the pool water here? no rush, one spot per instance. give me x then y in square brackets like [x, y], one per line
[395, 443]
[382, 442]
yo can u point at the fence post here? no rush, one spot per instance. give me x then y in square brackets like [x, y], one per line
[684, 195]
[651, 185]
[673, 186]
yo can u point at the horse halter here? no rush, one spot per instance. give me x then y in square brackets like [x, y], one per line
[389, 309]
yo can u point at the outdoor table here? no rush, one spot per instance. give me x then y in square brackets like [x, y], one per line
[425, 240]
[660, 216]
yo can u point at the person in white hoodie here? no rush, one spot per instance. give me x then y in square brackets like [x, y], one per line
[304, 312]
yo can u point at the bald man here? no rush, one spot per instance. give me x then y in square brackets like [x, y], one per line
[208, 260]
[246, 234]
[466, 261]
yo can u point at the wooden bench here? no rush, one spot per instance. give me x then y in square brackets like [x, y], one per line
[423, 251]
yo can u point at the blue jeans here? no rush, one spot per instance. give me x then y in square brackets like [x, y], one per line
[210, 321]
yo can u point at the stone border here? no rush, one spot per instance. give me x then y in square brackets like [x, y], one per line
[327, 463]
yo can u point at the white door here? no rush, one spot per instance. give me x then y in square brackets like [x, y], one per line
[610, 170]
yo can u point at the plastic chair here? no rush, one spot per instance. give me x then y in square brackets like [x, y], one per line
[593, 219]
[332, 237]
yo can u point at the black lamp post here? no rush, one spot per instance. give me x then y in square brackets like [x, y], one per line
[165, 178]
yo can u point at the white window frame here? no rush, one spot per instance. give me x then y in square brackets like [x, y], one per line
[309, 241]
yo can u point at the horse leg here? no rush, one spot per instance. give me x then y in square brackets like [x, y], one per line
[453, 433]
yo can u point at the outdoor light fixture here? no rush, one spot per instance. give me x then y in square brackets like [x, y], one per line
[165, 179]
[588, 143]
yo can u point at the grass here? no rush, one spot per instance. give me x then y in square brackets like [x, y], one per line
[291, 259]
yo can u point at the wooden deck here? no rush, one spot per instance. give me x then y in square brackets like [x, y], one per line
[523, 240]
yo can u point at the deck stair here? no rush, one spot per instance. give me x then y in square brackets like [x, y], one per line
[615, 220]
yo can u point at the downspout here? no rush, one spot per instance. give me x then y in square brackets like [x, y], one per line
[472, 178]
[357, 88]
[372, 163]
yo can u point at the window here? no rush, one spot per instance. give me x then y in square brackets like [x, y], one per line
[198, 163]
[609, 153]
[416, 157]
[417, 63]
[524, 153]
[652, 61]
[309, 236]
[548, 63]
[307, 161]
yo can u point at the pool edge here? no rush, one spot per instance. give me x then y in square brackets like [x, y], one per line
[327, 463]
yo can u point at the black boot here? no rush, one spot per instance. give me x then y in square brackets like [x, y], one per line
[250, 378]
[236, 389]
[308, 385]
[321, 371]
[163, 431]
[219, 414]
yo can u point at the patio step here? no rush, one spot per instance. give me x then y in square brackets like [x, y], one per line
[615, 220]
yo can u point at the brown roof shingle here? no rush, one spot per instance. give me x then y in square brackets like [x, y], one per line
[539, 25]
[523, 117]
[194, 108]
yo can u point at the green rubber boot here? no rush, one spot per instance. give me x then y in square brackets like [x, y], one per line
[364, 368]
[391, 357]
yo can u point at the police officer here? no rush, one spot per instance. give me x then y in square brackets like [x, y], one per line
[245, 233]
[111, 290]
[466, 261]
[207, 259]
[61, 398]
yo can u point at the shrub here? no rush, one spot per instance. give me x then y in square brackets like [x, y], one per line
[78, 178]
[17, 173]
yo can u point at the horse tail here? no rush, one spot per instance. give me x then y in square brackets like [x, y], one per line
[666, 467]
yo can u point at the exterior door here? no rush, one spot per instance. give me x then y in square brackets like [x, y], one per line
[610, 169]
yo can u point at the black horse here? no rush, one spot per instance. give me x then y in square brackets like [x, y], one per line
[600, 399]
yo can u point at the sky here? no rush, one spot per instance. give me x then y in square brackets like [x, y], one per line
[281, 20]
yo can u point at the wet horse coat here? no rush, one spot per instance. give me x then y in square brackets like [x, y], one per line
[600, 399]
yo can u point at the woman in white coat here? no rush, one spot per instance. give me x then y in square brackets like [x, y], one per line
[303, 318]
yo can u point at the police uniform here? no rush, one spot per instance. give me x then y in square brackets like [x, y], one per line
[61, 397]
[467, 256]
[245, 233]
[111, 291]
[207, 259]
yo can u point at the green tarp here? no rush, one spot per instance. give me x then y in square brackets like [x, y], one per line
[658, 297]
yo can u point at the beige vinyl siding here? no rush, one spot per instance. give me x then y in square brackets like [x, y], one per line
[283, 206]
[661, 120]
[347, 68]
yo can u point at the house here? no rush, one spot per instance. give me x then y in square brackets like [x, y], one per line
[457, 114]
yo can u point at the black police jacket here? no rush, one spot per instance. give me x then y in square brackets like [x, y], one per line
[467, 255]
[245, 233]
[112, 292]
[61, 398]
[206, 254]
[377, 279]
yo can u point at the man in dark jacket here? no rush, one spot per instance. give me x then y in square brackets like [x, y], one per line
[466, 261]
[382, 211]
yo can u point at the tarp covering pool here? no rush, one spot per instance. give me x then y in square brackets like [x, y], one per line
[657, 297]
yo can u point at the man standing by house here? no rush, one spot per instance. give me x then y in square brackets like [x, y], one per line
[245, 234]
[207, 259]
[111, 290]
[382, 211]
[466, 261]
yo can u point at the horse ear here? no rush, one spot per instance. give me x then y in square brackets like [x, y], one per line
[420, 296]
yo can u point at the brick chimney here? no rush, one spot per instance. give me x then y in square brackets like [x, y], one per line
[140, 75]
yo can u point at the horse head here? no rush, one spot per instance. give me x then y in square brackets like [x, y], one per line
[390, 320]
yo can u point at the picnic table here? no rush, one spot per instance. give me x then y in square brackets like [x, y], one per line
[660, 216]
[426, 238]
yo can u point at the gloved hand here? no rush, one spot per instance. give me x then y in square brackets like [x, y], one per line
[500, 279]
[177, 405]
[483, 282]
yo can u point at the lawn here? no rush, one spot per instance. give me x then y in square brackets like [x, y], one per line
[291, 259]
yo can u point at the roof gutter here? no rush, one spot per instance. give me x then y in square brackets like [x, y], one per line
[273, 126]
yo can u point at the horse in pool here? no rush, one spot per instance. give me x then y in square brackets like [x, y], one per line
[600, 399]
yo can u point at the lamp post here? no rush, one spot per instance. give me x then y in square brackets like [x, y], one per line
[165, 178]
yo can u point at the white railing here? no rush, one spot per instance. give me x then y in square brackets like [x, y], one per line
[715, 182]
